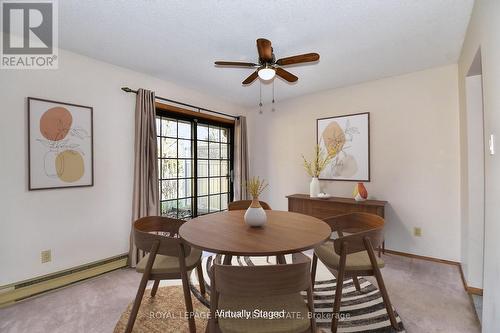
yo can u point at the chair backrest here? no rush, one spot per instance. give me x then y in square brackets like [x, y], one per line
[151, 229]
[359, 226]
[244, 204]
[263, 280]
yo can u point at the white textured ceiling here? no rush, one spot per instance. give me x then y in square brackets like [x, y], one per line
[358, 40]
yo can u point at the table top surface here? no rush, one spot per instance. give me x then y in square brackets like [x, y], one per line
[227, 233]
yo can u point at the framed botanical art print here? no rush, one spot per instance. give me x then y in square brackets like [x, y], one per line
[347, 140]
[60, 145]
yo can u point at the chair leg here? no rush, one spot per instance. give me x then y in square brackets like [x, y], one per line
[185, 287]
[381, 284]
[155, 288]
[142, 287]
[338, 290]
[188, 301]
[214, 296]
[356, 283]
[310, 304]
[210, 326]
[313, 269]
[201, 280]
[137, 304]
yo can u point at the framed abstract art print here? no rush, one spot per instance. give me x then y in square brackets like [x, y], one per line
[346, 139]
[60, 145]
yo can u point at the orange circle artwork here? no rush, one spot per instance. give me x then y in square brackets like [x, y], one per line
[55, 123]
[69, 166]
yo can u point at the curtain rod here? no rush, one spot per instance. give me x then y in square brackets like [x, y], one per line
[127, 89]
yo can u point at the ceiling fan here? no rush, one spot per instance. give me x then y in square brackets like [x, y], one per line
[268, 66]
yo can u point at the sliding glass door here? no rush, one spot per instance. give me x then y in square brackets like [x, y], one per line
[213, 162]
[194, 163]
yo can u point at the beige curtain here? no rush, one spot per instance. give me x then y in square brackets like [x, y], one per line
[240, 159]
[145, 197]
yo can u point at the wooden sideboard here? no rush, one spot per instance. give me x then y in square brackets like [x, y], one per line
[322, 208]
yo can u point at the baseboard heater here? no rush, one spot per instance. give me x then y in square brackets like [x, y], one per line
[18, 291]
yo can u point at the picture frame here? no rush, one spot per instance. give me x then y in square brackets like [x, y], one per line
[60, 145]
[347, 138]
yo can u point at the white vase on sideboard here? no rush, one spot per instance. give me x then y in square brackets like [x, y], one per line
[314, 187]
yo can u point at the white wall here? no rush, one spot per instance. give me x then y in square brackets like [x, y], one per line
[482, 33]
[79, 225]
[473, 231]
[414, 153]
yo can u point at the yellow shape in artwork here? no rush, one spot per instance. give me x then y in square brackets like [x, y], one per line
[70, 166]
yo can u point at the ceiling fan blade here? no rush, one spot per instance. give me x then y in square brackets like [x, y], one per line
[307, 57]
[286, 75]
[265, 50]
[251, 78]
[235, 63]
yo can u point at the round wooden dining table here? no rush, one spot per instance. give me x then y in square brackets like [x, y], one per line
[226, 233]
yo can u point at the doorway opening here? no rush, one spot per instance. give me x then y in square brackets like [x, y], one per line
[474, 229]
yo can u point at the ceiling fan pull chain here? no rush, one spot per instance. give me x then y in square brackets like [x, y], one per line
[272, 110]
[260, 97]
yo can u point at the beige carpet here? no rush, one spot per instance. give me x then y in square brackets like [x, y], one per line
[429, 296]
[164, 313]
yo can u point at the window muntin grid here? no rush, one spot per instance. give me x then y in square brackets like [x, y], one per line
[194, 162]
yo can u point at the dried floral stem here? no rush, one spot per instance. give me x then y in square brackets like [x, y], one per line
[256, 186]
[319, 163]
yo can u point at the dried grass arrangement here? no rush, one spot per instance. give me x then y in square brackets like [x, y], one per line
[319, 162]
[255, 186]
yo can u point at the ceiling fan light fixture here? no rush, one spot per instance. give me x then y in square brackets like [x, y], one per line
[268, 67]
[267, 73]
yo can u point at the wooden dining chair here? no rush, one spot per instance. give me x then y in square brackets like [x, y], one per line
[244, 204]
[352, 255]
[268, 288]
[168, 258]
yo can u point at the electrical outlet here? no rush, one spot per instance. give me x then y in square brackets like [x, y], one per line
[417, 231]
[46, 256]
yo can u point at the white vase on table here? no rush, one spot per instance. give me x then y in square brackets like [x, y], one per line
[255, 216]
[314, 187]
